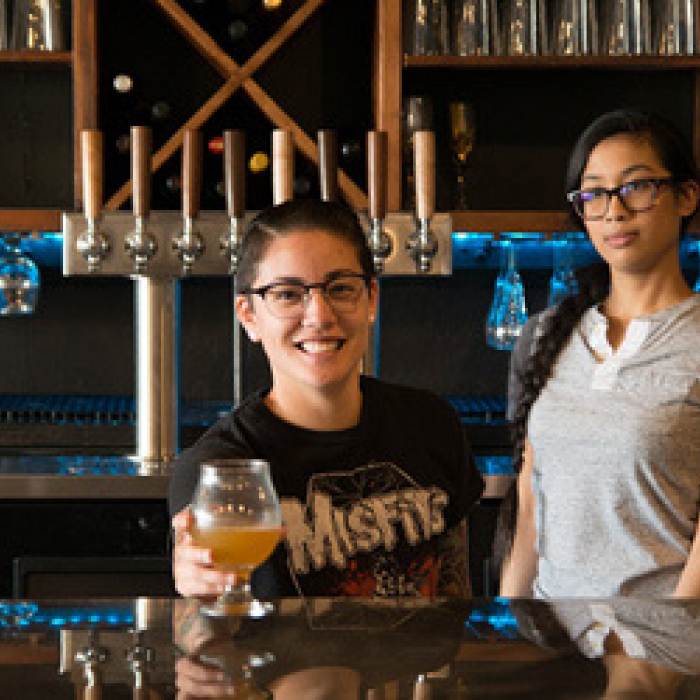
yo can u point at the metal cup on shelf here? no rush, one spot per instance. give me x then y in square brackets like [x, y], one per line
[522, 27]
[574, 28]
[4, 44]
[431, 29]
[627, 27]
[37, 26]
[471, 28]
[675, 27]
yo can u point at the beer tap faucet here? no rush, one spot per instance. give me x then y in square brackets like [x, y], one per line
[328, 164]
[377, 155]
[92, 658]
[189, 243]
[92, 244]
[422, 244]
[234, 181]
[140, 659]
[140, 244]
[282, 166]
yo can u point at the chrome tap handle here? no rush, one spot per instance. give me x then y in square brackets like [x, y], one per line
[189, 244]
[328, 164]
[93, 245]
[377, 156]
[234, 180]
[140, 244]
[282, 166]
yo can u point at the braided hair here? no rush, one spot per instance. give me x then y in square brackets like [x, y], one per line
[594, 282]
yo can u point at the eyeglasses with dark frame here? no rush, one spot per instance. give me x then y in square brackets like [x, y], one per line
[592, 204]
[289, 299]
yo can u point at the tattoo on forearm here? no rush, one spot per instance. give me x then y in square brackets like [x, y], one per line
[453, 577]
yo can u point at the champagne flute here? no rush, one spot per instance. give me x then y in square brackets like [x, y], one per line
[462, 136]
[563, 281]
[237, 516]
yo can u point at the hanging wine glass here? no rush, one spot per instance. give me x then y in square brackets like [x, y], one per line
[508, 313]
[19, 279]
[496, 301]
[563, 281]
[462, 135]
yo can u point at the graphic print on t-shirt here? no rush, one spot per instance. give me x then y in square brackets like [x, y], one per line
[370, 531]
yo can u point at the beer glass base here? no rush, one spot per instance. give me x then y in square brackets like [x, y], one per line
[233, 606]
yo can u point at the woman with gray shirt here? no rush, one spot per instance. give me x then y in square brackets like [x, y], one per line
[606, 387]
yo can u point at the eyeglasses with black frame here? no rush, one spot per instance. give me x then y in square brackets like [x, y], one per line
[636, 196]
[289, 299]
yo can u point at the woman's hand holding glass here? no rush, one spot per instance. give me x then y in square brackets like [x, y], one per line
[193, 572]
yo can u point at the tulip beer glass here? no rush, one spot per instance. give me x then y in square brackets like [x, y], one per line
[237, 516]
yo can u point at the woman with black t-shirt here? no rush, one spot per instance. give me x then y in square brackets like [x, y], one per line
[374, 480]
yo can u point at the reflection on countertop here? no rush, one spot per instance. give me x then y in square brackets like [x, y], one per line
[348, 649]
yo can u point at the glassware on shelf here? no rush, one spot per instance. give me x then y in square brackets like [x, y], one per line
[521, 27]
[563, 281]
[574, 31]
[418, 116]
[627, 27]
[508, 312]
[37, 26]
[237, 515]
[675, 22]
[471, 28]
[462, 136]
[19, 279]
[431, 28]
[4, 45]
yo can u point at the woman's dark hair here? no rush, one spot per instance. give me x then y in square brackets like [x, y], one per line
[594, 282]
[295, 216]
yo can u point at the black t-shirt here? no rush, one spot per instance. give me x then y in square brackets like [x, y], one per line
[365, 508]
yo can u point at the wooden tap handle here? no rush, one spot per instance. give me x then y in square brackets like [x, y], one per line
[282, 166]
[234, 172]
[424, 159]
[328, 164]
[91, 142]
[141, 143]
[377, 156]
[191, 173]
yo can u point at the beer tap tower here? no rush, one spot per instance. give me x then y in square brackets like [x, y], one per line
[155, 249]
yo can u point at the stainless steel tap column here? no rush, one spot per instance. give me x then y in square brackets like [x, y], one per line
[157, 337]
[157, 314]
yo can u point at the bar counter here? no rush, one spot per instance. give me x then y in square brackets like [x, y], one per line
[346, 649]
[62, 477]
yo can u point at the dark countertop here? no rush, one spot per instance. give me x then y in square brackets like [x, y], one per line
[342, 648]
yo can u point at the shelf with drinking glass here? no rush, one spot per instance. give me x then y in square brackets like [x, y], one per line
[637, 62]
[20, 57]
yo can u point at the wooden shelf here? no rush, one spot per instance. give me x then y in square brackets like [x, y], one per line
[536, 221]
[561, 62]
[21, 57]
[30, 219]
[497, 221]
